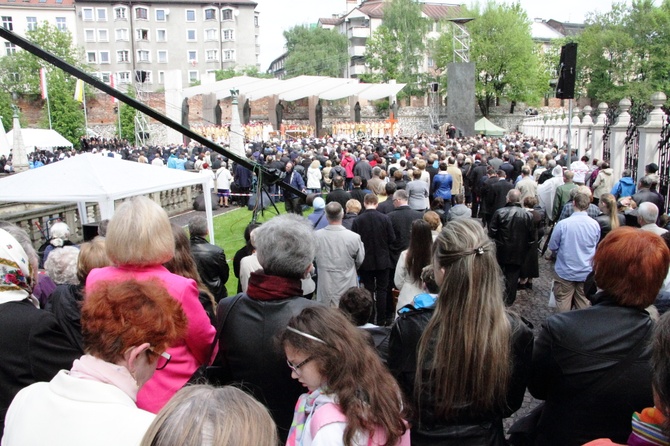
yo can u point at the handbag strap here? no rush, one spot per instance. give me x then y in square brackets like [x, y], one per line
[222, 321]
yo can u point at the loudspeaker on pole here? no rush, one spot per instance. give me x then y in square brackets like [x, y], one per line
[567, 68]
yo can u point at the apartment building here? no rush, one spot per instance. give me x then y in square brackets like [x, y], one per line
[21, 16]
[141, 40]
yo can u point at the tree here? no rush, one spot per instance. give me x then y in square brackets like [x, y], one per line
[232, 72]
[6, 112]
[19, 73]
[397, 47]
[315, 52]
[128, 114]
[626, 52]
[505, 57]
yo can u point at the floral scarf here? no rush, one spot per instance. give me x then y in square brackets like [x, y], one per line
[15, 271]
[306, 405]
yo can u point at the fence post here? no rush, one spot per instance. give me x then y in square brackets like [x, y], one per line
[585, 130]
[650, 132]
[618, 138]
[597, 132]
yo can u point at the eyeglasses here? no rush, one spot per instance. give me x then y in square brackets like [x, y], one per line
[296, 367]
[163, 358]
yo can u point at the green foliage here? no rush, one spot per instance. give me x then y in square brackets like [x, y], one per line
[626, 52]
[315, 51]
[396, 48]
[506, 61]
[128, 118]
[6, 112]
[67, 115]
[20, 72]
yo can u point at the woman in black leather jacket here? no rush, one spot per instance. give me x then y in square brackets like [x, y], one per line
[591, 366]
[462, 360]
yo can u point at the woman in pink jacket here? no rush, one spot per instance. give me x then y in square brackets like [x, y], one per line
[139, 240]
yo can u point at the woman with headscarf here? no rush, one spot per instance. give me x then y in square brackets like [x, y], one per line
[547, 191]
[32, 344]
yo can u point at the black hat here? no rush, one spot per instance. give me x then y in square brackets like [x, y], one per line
[651, 168]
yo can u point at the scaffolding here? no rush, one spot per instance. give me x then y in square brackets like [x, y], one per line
[141, 125]
[461, 40]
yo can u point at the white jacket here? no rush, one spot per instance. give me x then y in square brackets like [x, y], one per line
[71, 412]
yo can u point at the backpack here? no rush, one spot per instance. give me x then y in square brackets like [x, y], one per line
[330, 413]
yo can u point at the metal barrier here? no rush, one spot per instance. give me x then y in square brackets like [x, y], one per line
[664, 162]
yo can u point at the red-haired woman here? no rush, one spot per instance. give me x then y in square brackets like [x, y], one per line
[591, 366]
[127, 327]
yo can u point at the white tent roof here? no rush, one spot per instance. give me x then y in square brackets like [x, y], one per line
[488, 128]
[96, 178]
[38, 139]
[328, 88]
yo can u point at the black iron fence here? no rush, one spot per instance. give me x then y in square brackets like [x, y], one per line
[638, 115]
[664, 162]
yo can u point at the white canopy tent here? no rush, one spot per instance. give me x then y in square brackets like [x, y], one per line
[95, 178]
[39, 139]
[328, 88]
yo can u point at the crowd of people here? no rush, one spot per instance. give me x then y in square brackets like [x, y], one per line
[386, 316]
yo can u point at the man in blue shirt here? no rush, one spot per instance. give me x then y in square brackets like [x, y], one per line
[574, 242]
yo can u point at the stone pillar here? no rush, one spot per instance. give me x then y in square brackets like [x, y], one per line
[597, 132]
[352, 108]
[236, 131]
[585, 130]
[19, 155]
[574, 128]
[650, 133]
[272, 117]
[174, 96]
[311, 108]
[618, 138]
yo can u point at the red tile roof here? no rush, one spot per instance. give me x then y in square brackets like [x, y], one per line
[436, 11]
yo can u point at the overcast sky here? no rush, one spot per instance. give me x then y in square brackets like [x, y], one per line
[279, 15]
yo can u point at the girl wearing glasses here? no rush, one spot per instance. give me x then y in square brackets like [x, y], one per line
[350, 394]
[127, 326]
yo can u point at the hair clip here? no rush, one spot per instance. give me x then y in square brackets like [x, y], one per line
[479, 251]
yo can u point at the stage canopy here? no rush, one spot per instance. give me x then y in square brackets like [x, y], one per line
[328, 88]
[39, 139]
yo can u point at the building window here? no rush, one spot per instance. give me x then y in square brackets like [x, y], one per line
[229, 55]
[104, 57]
[142, 13]
[10, 48]
[122, 56]
[89, 35]
[123, 77]
[190, 35]
[190, 15]
[103, 35]
[61, 23]
[193, 76]
[430, 62]
[143, 56]
[147, 77]
[256, 21]
[121, 34]
[161, 15]
[7, 23]
[101, 13]
[91, 57]
[226, 14]
[210, 34]
[161, 35]
[142, 34]
[161, 77]
[210, 14]
[192, 56]
[162, 56]
[87, 14]
[120, 13]
[211, 55]
[32, 23]
[105, 76]
[228, 34]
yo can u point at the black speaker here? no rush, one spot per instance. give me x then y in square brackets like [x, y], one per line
[567, 68]
[434, 86]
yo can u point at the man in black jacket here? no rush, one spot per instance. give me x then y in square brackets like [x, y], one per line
[210, 259]
[511, 228]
